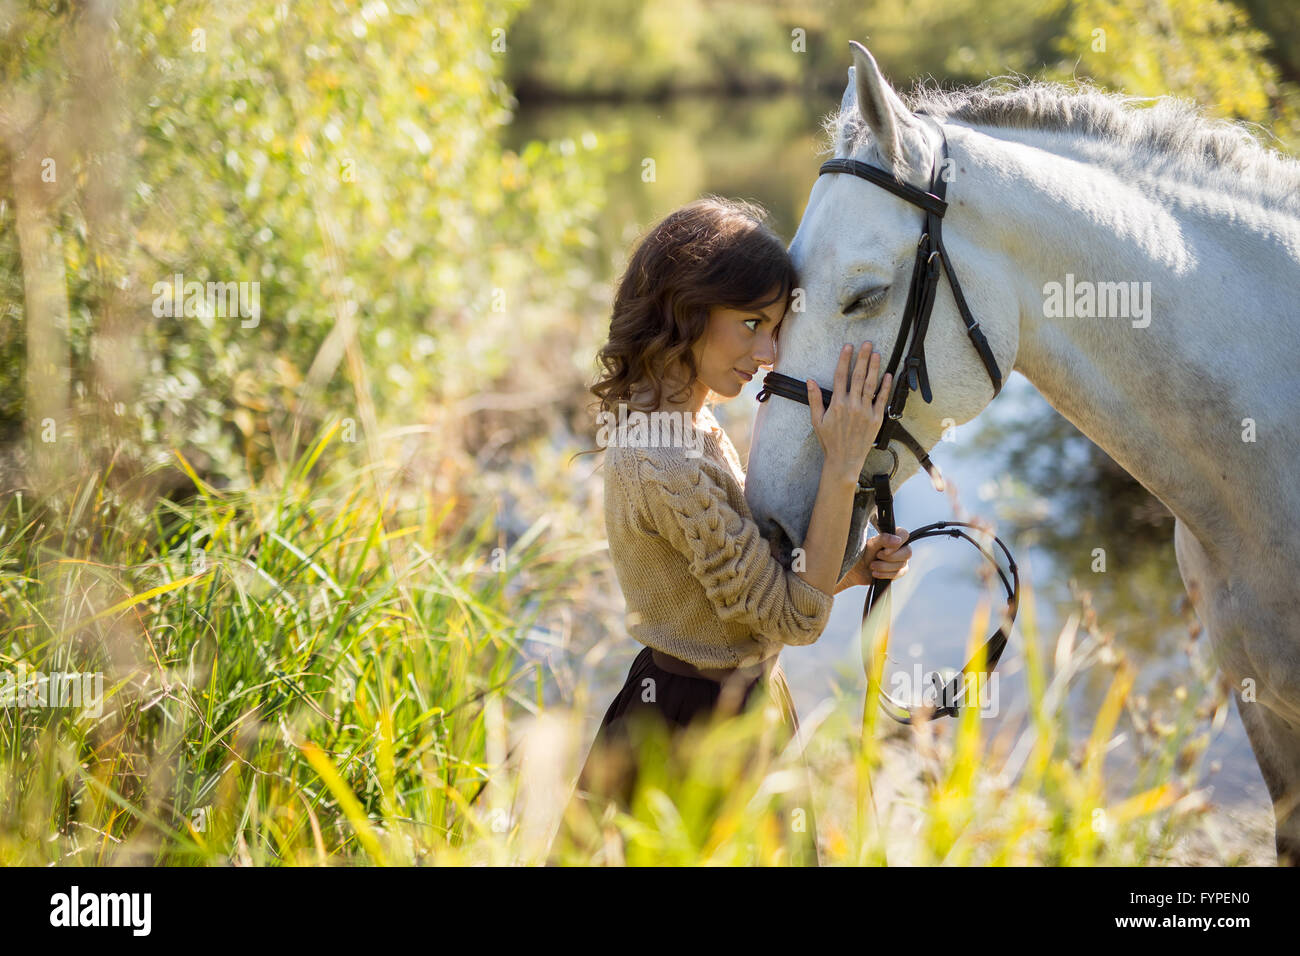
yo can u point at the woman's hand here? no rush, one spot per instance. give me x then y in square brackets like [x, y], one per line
[885, 556]
[846, 431]
[848, 428]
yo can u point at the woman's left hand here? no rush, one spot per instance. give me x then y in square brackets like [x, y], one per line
[885, 556]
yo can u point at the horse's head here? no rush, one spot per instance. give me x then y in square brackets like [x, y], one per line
[855, 251]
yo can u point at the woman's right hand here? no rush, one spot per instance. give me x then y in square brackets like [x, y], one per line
[848, 428]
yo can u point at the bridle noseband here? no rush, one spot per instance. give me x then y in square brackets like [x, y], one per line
[931, 259]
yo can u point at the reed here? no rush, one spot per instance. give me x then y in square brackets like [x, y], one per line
[306, 674]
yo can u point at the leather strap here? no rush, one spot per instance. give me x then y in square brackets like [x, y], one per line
[951, 693]
[917, 197]
[774, 383]
[931, 259]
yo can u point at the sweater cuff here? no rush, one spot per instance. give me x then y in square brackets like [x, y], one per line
[808, 600]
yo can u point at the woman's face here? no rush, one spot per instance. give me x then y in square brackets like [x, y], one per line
[735, 344]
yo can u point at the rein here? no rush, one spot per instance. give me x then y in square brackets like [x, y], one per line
[931, 258]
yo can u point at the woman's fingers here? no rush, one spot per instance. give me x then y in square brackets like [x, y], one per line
[890, 542]
[815, 409]
[860, 369]
[888, 571]
[893, 558]
[881, 403]
[842, 371]
[842, 431]
[890, 560]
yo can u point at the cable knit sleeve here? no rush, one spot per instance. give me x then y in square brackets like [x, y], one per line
[690, 508]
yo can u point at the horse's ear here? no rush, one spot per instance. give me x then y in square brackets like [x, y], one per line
[884, 113]
[850, 92]
[847, 103]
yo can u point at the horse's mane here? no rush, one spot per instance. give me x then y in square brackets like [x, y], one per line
[1172, 128]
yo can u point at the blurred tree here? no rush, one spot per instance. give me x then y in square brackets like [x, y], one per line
[635, 48]
[341, 160]
[1203, 50]
[1278, 22]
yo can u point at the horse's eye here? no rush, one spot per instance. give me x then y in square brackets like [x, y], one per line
[871, 299]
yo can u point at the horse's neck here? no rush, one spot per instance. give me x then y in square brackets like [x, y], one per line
[1171, 402]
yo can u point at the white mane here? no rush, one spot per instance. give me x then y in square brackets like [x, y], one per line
[1195, 145]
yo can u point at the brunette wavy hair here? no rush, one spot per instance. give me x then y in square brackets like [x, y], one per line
[711, 252]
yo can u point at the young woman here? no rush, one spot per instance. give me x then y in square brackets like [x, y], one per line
[695, 316]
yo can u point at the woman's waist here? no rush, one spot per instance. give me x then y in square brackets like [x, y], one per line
[675, 665]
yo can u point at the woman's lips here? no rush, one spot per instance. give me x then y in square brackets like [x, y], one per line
[745, 375]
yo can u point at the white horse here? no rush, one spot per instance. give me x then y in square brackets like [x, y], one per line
[1057, 197]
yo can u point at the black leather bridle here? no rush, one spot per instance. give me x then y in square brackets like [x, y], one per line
[931, 259]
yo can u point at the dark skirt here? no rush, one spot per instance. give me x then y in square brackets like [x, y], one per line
[672, 701]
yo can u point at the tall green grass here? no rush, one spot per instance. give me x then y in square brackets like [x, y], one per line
[1024, 797]
[302, 675]
[305, 673]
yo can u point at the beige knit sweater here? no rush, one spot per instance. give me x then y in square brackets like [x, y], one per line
[700, 582]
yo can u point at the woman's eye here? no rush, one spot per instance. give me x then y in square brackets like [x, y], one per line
[868, 300]
[752, 328]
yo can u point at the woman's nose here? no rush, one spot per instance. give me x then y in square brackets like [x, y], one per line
[765, 354]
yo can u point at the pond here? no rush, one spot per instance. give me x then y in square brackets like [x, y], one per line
[766, 149]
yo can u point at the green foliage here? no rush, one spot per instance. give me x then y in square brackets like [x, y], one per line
[1204, 50]
[631, 48]
[306, 676]
[964, 41]
[1278, 20]
[1207, 50]
[345, 159]
[12, 348]
[303, 676]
